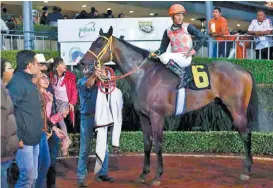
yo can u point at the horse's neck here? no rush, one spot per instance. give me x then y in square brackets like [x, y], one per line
[128, 60]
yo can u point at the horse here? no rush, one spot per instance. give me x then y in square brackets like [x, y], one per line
[154, 93]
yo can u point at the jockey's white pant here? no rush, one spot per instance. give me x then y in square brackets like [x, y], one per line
[179, 58]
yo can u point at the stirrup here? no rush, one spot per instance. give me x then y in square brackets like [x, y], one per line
[183, 80]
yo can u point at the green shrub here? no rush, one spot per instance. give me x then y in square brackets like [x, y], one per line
[40, 28]
[11, 55]
[261, 69]
[191, 142]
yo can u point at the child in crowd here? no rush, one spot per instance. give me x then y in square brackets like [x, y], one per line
[66, 94]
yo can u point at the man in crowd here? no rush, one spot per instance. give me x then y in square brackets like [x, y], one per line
[9, 139]
[55, 15]
[24, 95]
[5, 15]
[261, 27]
[218, 28]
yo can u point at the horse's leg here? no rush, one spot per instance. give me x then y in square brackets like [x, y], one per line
[157, 122]
[238, 104]
[147, 134]
[241, 123]
[248, 161]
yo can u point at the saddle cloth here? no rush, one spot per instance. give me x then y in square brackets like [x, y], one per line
[198, 74]
[180, 101]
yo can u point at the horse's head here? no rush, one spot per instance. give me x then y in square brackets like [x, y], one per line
[99, 53]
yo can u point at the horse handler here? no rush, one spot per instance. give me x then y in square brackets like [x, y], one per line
[91, 115]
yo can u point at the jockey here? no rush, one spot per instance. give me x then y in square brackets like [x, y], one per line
[179, 34]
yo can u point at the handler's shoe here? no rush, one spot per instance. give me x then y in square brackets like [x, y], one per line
[82, 183]
[105, 178]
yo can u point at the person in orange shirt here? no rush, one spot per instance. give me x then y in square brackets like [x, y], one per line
[242, 43]
[218, 28]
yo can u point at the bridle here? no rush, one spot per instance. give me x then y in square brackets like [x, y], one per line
[109, 45]
[104, 50]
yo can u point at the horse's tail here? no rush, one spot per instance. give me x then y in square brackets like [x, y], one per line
[252, 109]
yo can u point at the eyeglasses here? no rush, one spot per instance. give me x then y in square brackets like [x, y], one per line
[45, 78]
[9, 69]
[36, 62]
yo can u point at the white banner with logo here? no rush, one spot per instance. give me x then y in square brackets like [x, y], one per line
[84, 30]
[76, 36]
[132, 28]
[73, 52]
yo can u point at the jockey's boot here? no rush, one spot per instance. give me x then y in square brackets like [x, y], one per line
[180, 72]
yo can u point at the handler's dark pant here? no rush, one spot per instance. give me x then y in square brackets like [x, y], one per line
[53, 143]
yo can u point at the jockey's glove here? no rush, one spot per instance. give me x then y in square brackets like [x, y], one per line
[153, 55]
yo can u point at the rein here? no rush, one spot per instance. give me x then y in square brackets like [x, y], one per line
[109, 82]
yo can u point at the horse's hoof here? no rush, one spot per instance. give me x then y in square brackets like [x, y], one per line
[244, 177]
[155, 183]
[140, 180]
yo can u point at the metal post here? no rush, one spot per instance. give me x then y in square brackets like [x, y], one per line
[27, 27]
[1, 41]
[31, 26]
[209, 7]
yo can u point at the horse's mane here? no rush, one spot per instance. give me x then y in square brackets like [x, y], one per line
[143, 52]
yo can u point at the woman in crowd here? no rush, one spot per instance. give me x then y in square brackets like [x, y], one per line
[44, 20]
[46, 99]
[9, 139]
[66, 94]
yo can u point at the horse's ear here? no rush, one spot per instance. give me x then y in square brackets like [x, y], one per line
[110, 32]
[121, 37]
[101, 32]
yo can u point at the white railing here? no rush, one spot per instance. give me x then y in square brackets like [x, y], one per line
[243, 47]
[244, 44]
[41, 41]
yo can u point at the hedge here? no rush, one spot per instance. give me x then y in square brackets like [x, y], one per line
[40, 28]
[11, 55]
[190, 142]
[218, 122]
[261, 69]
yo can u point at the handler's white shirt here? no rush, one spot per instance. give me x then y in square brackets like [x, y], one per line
[263, 41]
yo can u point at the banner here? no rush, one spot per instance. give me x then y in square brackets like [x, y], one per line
[76, 36]
[73, 52]
[86, 30]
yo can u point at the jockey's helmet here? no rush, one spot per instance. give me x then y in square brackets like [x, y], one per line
[176, 9]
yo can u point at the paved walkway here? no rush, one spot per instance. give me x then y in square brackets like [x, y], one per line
[179, 172]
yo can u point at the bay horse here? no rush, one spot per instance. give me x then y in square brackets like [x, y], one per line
[154, 93]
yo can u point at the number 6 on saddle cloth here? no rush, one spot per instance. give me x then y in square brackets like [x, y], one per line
[200, 75]
[197, 73]
[199, 80]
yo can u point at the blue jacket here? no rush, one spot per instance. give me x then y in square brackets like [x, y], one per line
[27, 108]
[88, 97]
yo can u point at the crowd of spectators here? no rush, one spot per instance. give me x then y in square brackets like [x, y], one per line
[259, 29]
[51, 18]
[46, 17]
[217, 29]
